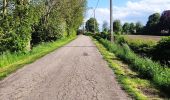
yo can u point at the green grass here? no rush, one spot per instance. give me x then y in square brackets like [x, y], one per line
[144, 67]
[130, 81]
[139, 46]
[10, 62]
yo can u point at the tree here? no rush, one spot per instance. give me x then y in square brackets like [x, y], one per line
[90, 24]
[139, 28]
[4, 8]
[152, 26]
[117, 27]
[71, 9]
[37, 21]
[105, 26]
[60, 17]
[165, 21]
[126, 28]
[132, 28]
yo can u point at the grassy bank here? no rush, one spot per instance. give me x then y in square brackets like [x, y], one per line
[10, 62]
[138, 45]
[145, 67]
[135, 86]
[156, 50]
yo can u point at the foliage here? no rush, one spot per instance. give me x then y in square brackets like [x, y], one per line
[9, 62]
[73, 13]
[161, 51]
[139, 28]
[145, 66]
[123, 76]
[36, 21]
[117, 27]
[132, 28]
[131, 82]
[105, 26]
[156, 25]
[126, 28]
[149, 48]
[92, 25]
[165, 20]
[105, 35]
[88, 33]
[152, 26]
[139, 46]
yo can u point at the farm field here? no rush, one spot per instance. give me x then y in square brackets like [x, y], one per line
[145, 37]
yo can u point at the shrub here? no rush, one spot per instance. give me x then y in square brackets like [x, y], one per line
[120, 39]
[104, 35]
[45, 33]
[161, 51]
[139, 46]
[144, 66]
[88, 33]
[14, 38]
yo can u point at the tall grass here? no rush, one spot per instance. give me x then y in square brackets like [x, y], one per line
[139, 46]
[10, 62]
[146, 68]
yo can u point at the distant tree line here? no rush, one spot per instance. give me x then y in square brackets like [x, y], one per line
[24, 23]
[156, 25]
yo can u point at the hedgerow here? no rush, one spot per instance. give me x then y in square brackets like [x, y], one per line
[146, 68]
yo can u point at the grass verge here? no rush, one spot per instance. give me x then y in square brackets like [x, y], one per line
[138, 88]
[146, 68]
[10, 62]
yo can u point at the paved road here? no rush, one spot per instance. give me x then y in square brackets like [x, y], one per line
[73, 72]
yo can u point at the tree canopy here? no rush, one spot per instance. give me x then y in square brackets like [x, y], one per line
[126, 28]
[105, 26]
[132, 28]
[139, 28]
[165, 21]
[152, 24]
[92, 25]
[117, 27]
[29, 22]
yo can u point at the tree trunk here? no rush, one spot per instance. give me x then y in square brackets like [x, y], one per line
[4, 8]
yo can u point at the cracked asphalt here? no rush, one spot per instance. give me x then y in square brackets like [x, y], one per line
[76, 71]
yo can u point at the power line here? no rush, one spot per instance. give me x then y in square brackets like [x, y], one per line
[97, 4]
[95, 8]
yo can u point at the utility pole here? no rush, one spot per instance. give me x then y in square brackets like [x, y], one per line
[111, 21]
[84, 26]
[94, 22]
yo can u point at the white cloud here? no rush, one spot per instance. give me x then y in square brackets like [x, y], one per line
[133, 11]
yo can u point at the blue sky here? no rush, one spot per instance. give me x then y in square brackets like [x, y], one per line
[127, 10]
[105, 3]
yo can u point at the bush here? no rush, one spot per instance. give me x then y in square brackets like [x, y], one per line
[139, 46]
[161, 51]
[14, 36]
[120, 39]
[144, 66]
[88, 33]
[104, 35]
[79, 32]
[43, 33]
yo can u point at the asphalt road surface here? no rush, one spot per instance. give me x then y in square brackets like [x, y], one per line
[76, 71]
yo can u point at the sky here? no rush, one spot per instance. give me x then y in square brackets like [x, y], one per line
[126, 10]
